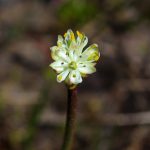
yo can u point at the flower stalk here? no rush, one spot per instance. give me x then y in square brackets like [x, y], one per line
[72, 62]
[70, 119]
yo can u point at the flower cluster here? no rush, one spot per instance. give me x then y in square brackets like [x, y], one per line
[71, 61]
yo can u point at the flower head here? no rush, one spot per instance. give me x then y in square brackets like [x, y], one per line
[71, 61]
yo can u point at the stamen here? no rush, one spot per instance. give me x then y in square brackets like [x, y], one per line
[73, 65]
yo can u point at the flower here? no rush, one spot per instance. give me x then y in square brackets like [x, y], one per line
[71, 61]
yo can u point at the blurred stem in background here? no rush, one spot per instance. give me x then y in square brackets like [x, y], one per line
[70, 119]
[34, 118]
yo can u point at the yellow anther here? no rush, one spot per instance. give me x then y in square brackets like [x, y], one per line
[72, 36]
[94, 56]
[59, 77]
[80, 34]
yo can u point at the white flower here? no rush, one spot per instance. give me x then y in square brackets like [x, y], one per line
[71, 61]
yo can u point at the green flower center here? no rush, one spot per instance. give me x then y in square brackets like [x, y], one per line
[73, 65]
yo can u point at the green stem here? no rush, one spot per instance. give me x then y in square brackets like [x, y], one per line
[70, 120]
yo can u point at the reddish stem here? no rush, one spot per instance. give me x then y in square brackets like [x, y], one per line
[70, 120]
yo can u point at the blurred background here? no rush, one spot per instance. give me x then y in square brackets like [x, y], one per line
[113, 103]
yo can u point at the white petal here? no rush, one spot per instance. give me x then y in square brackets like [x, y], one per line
[62, 76]
[75, 77]
[82, 41]
[91, 53]
[54, 49]
[72, 55]
[69, 38]
[59, 66]
[63, 56]
[59, 52]
[86, 68]
[60, 41]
